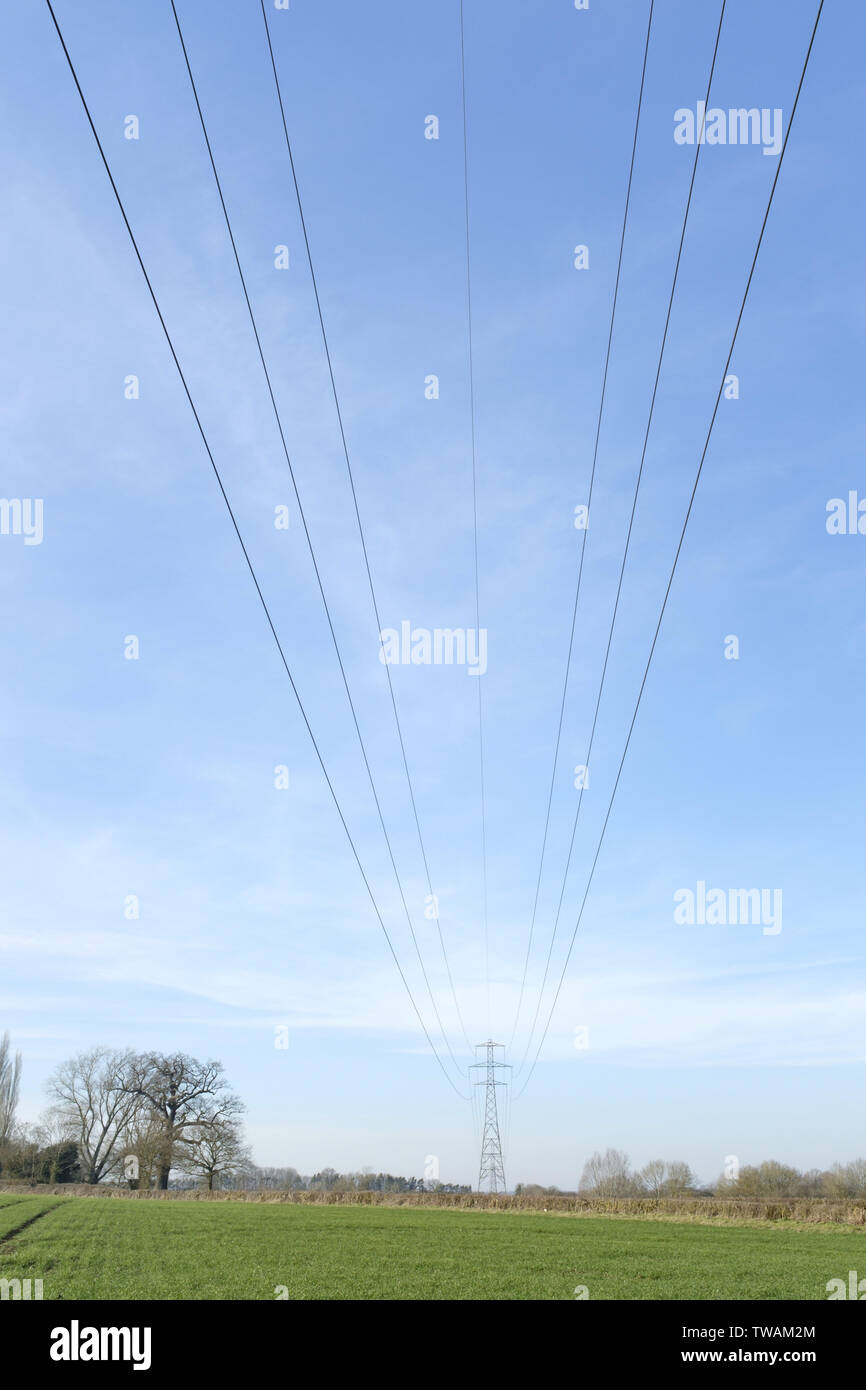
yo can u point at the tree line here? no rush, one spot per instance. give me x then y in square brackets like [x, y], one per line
[150, 1119]
[611, 1175]
[133, 1117]
[329, 1180]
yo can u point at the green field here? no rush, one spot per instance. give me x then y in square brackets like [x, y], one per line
[88, 1248]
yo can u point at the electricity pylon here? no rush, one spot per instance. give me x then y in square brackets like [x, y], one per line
[492, 1169]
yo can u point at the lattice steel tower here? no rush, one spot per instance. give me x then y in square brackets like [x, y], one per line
[492, 1169]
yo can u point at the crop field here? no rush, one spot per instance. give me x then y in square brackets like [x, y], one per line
[98, 1248]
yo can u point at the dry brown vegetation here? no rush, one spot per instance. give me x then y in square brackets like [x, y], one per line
[798, 1210]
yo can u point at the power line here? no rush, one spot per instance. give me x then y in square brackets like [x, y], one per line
[681, 540]
[583, 538]
[336, 644]
[475, 507]
[433, 896]
[661, 354]
[237, 532]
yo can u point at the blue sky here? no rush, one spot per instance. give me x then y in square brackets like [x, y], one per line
[155, 777]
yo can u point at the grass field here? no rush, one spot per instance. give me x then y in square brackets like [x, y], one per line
[89, 1248]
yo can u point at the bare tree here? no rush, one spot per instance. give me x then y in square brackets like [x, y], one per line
[140, 1147]
[184, 1094]
[653, 1176]
[93, 1107]
[767, 1180]
[213, 1150]
[608, 1175]
[10, 1080]
[846, 1179]
[679, 1180]
[663, 1178]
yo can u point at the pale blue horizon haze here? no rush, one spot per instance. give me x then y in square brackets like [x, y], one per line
[156, 777]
